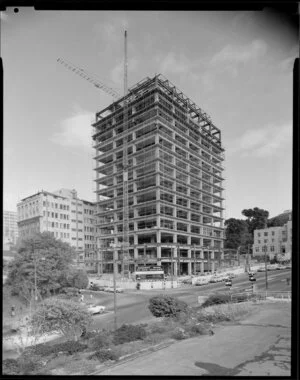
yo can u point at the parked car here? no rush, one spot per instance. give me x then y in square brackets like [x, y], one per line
[213, 280]
[262, 269]
[96, 309]
[111, 290]
[202, 281]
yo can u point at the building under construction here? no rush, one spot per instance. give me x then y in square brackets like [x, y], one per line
[172, 201]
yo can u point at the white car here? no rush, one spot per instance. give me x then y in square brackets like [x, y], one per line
[96, 309]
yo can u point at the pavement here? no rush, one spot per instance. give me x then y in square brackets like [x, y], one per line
[259, 345]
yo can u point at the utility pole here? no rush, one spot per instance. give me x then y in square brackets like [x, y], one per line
[266, 269]
[178, 261]
[115, 293]
[125, 261]
[194, 260]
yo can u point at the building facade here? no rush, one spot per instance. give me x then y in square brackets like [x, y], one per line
[65, 216]
[275, 241]
[175, 183]
[10, 229]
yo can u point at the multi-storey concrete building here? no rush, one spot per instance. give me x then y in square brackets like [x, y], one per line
[274, 241]
[10, 229]
[175, 202]
[66, 216]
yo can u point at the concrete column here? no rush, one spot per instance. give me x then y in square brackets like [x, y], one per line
[212, 266]
[189, 268]
[158, 235]
[201, 255]
[202, 266]
[212, 256]
[175, 268]
[158, 252]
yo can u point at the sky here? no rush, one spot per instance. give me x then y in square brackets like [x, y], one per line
[237, 66]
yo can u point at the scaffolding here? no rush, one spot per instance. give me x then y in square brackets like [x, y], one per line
[174, 180]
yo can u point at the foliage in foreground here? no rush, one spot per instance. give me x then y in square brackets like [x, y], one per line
[166, 306]
[128, 333]
[62, 316]
[216, 299]
[104, 354]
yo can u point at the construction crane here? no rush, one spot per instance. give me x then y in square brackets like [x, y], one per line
[90, 78]
[97, 83]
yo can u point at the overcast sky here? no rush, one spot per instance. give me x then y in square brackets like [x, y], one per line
[237, 66]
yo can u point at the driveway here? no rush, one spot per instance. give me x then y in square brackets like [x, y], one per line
[260, 345]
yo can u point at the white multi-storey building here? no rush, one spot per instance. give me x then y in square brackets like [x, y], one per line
[65, 216]
[10, 229]
[274, 241]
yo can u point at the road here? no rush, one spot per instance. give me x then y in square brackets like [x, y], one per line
[132, 306]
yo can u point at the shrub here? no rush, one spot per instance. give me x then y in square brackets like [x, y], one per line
[69, 347]
[104, 355]
[179, 334]
[64, 316]
[197, 330]
[101, 340]
[70, 291]
[128, 333]
[166, 306]
[10, 367]
[216, 299]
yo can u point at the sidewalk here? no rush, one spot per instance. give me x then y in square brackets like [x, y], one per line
[257, 346]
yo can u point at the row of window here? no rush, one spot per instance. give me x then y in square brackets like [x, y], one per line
[265, 249]
[56, 225]
[55, 215]
[56, 205]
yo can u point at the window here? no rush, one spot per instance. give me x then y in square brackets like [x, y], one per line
[272, 248]
[273, 233]
[258, 241]
[258, 234]
[265, 233]
[256, 249]
[266, 240]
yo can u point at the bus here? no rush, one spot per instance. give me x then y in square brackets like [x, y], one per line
[149, 274]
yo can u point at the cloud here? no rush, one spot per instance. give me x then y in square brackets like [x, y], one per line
[117, 73]
[240, 54]
[262, 142]
[228, 61]
[76, 131]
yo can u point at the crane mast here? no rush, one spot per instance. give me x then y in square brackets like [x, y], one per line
[125, 257]
[97, 83]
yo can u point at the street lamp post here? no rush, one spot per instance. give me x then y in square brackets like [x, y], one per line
[194, 260]
[115, 294]
[266, 269]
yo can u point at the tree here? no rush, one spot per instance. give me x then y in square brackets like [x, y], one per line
[256, 218]
[236, 233]
[279, 220]
[43, 255]
[67, 317]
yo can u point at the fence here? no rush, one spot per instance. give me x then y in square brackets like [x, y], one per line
[250, 296]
